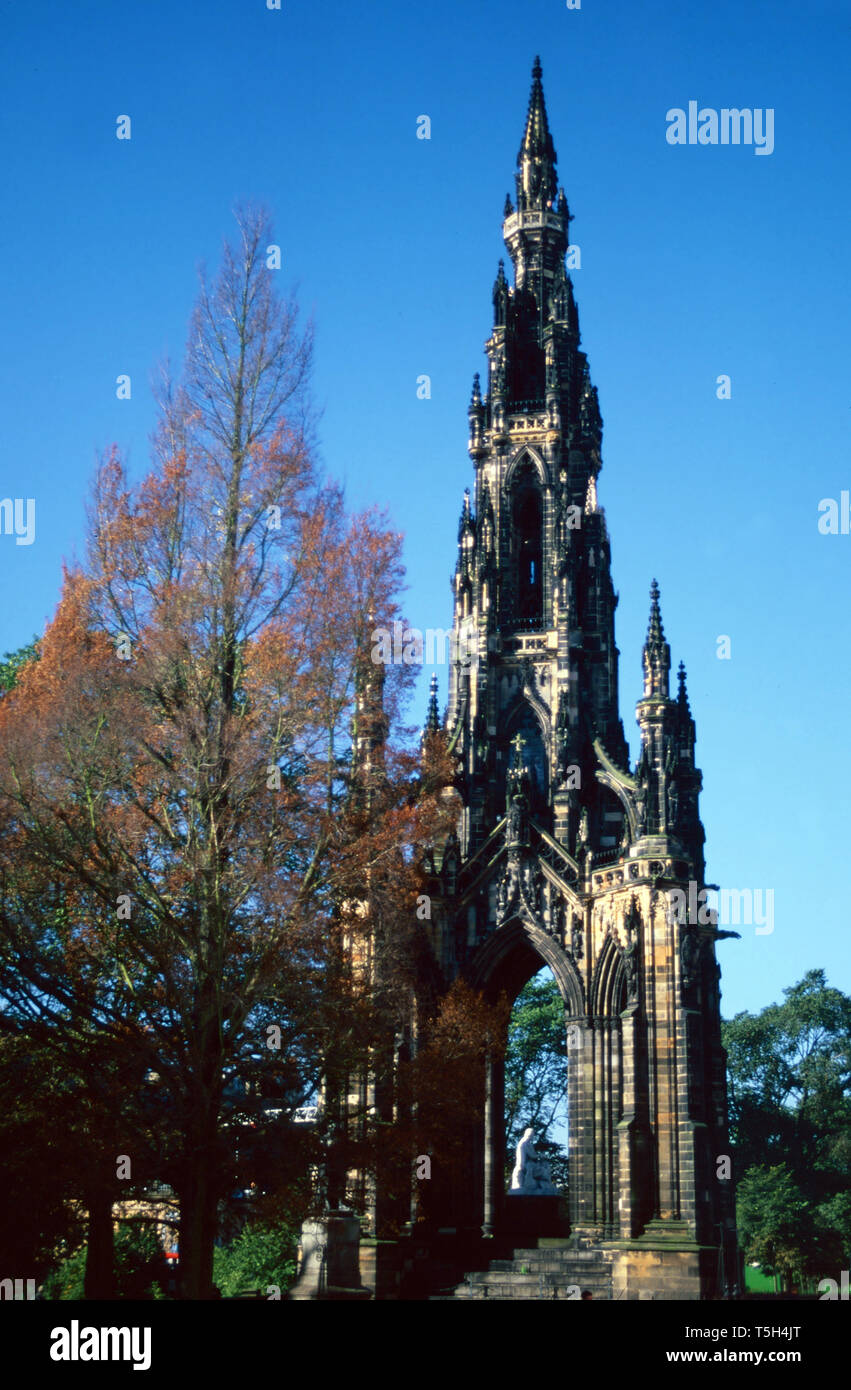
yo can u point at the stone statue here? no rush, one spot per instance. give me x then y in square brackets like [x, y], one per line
[531, 886]
[531, 1176]
[502, 897]
[630, 961]
[556, 919]
[673, 804]
[516, 827]
[640, 809]
[689, 952]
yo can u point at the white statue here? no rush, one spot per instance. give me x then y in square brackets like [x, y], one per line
[531, 1176]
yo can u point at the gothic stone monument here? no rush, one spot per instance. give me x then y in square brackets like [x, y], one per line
[565, 855]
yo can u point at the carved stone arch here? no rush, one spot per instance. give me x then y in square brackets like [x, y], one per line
[526, 454]
[513, 954]
[514, 715]
[608, 982]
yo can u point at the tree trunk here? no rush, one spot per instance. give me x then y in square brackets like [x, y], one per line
[99, 1280]
[199, 1210]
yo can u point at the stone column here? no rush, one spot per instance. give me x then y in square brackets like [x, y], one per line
[488, 1214]
[580, 1092]
[636, 1197]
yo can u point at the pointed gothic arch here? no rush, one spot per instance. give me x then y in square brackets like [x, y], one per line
[527, 546]
[514, 953]
[525, 457]
[608, 992]
[528, 717]
[508, 958]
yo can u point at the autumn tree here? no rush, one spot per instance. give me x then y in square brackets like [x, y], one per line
[438, 1095]
[178, 830]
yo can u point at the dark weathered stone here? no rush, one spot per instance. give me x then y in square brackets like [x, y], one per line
[564, 854]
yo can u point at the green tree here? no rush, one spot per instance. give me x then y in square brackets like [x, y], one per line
[778, 1226]
[11, 664]
[789, 1077]
[789, 1085]
[140, 1268]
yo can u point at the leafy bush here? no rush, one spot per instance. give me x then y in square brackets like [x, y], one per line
[259, 1256]
[140, 1269]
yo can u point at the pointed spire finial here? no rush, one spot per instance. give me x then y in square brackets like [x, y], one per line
[500, 298]
[682, 693]
[536, 162]
[654, 627]
[432, 723]
[657, 654]
[465, 522]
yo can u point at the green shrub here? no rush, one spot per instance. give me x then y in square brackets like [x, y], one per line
[139, 1268]
[259, 1256]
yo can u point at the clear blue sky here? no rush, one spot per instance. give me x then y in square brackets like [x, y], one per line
[696, 261]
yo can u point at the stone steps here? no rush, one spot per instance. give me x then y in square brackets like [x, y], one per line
[542, 1273]
[548, 1259]
[561, 1292]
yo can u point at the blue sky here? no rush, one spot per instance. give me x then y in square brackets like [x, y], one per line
[696, 261]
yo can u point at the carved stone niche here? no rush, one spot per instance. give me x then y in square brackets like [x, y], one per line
[556, 915]
[690, 951]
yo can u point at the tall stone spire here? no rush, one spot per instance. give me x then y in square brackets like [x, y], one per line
[369, 730]
[560, 854]
[534, 555]
[536, 160]
[432, 723]
[536, 232]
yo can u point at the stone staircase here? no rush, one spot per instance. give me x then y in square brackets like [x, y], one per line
[551, 1269]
